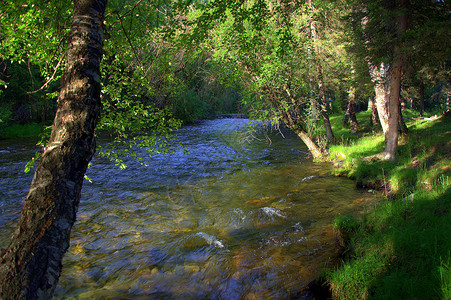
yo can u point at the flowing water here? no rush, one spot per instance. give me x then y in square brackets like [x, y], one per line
[221, 219]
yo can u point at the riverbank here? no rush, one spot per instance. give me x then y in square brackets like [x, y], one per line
[21, 131]
[401, 248]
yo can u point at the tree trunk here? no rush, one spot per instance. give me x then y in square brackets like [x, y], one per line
[291, 117]
[391, 136]
[374, 119]
[31, 264]
[350, 112]
[447, 101]
[314, 103]
[402, 125]
[313, 148]
[296, 128]
[421, 99]
[323, 106]
[321, 93]
[381, 82]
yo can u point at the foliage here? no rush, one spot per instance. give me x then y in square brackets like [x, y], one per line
[32, 50]
[140, 127]
[5, 116]
[371, 36]
[254, 43]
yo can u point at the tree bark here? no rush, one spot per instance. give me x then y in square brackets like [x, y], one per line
[381, 80]
[447, 101]
[31, 264]
[421, 98]
[374, 119]
[314, 103]
[321, 93]
[350, 112]
[291, 118]
[391, 136]
[305, 137]
[402, 125]
[323, 106]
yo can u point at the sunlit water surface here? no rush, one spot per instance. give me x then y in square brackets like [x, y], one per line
[222, 219]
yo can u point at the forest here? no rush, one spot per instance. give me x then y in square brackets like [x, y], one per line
[364, 85]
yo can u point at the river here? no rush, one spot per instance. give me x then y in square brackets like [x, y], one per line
[226, 217]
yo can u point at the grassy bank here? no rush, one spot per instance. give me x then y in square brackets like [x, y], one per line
[401, 248]
[21, 131]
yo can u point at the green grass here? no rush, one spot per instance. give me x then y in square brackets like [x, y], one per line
[20, 131]
[401, 248]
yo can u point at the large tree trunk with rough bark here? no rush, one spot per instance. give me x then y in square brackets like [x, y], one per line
[379, 76]
[391, 136]
[321, 93]
[31, 264]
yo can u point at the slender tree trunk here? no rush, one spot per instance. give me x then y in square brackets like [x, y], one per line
[350, 112]
[323, 106]
[291, 117]
[402, 125]
[352, 115]
[391, 136]
[314, 103]
[321, 93]
[421, 99]
[313, 148]
[31, 264]
[305, 137]
[374, 119]
[447, 101]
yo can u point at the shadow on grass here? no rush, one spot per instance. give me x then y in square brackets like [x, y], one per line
[400, 251]
[420, 236]
[402, 247]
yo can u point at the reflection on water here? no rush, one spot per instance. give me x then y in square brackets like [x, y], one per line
[225, 220]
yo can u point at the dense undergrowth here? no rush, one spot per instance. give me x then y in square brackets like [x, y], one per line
[400, 249]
